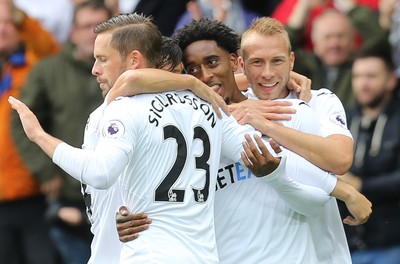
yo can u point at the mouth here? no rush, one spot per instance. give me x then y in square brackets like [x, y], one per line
[268, 85]
[216, 88]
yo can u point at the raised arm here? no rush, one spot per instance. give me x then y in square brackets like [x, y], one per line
[99, 169]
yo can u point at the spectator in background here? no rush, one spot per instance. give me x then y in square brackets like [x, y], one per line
[61, 90]
[375, 172]
[287, 8]
[261, 8]
[166, 13]
[229, 12]
[55, 16]
[120, 6]
[389, 19]
[23, 240]
[329, 65]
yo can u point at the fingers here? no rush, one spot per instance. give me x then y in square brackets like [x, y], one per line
[218, 103]
[132, 227]
[223, 105]
[349, 220]
[251, 150]
[123, 211]
[13, 102]
[276, 117]
[129, 227]
[275, 146]
[255, 154]
[127, 238]
[131, 217]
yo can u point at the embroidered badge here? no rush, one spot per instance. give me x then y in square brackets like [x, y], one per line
[338, 120]
[113, 129]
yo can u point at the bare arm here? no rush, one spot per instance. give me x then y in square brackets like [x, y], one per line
[333, 153]
[357, 204]
[133, 82]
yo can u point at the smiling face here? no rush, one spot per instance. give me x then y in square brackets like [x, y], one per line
[212, 65]
[267, 63]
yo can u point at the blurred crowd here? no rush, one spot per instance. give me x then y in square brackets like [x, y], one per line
[351, 47]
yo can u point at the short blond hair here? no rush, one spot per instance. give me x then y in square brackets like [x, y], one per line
[268, 27]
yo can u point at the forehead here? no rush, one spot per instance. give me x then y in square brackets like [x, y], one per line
[91, 15]
[200, 50]
[102, 44]
[370, 64]
[331, 23]
[5, 13]
[260, 46]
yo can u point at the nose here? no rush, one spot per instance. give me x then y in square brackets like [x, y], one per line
[95, 69]
[205, 74]
[267, 72]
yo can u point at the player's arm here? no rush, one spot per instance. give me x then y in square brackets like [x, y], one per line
[357, 204]
[304, 199]
[33, 129]
[99, 169]
[133, 82]
[333, 153]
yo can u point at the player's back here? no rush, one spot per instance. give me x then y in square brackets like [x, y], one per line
[175, 144]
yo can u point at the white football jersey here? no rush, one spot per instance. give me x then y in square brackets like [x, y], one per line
[163, 152]
[253, 223]
[101, 204]
[327, 229]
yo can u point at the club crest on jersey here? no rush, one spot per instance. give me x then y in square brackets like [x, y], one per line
[339, 120]
[113, 129]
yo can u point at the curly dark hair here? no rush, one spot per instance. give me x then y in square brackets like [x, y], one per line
[206, 29]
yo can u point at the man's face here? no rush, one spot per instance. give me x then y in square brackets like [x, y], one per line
[267, 63]
[371, 81]
[108, 65]
[212, 65]
[333, 39]
[9, 36]
[82, 34]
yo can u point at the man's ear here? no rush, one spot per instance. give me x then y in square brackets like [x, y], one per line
[291, 59]
[392, 81]
[234, 62]
[136, 60]
[241, 64]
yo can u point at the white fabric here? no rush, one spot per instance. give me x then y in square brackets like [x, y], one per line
[253, 222]
[169, 132]
[101, 204]
[330, 241]
[304, 199]
[327, 229]
[330, 111]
